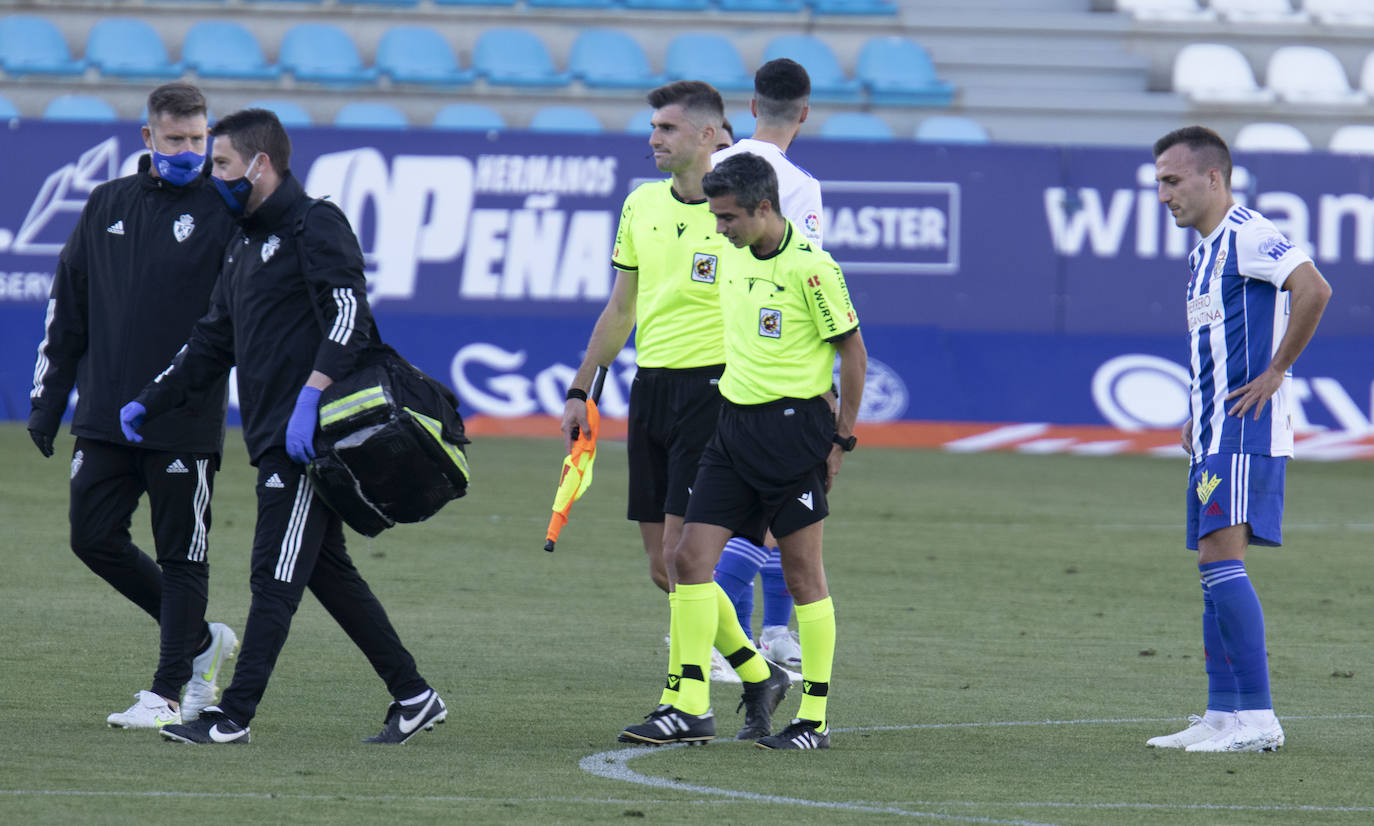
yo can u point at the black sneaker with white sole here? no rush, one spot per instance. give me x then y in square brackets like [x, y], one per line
[801, 734]
[211, 728]
[760, 700]
[666, 725]
[404, 722]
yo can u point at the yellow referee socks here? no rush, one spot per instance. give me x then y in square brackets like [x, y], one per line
[669, 695]
[696, 629]
[733, 641]
[816, 633]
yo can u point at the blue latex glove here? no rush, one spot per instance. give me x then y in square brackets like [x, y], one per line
[131, 419]
[300, 430]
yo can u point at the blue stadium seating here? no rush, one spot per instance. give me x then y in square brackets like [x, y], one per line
[419, 54]
[708, 57]
[79, 107]
[475, 2]
[515, 57]
[570, 4]
[469, 117]
[769, 6]
[605, 58]
[896, 70]
[288, 112]
[879, 7]
[638, 124]
[856, 126]
[365, 114]
[669, 5]
[323, 53]
[33, 45]
[828, 81]
[225, 49]
[128, 48]
[742, 123]
[565, 119]
[7, 110]
[379, 2]
[951, 129]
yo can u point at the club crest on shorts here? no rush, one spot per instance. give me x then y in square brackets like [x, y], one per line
[770, 322]
[269, 247]
[183, 227]
[704, 268]
[1206, 485]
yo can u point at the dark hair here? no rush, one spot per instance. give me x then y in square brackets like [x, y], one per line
[748, 177]
[1211, 150]
[728, 129]
[782, 88]
[178, 99]
[257, 130]
[694, 96]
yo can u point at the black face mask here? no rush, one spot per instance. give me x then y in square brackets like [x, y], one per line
[237, 191]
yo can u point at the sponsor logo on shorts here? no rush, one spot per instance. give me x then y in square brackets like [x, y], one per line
[806, 499]
[1215, 510]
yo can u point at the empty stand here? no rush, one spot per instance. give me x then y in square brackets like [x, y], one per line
[570, 119]
[897, 70]
[708, 57]
[1215, 73]
[515, 57]
[1341, 12]
[79, 108]
[1355, 139]
[1170, 10]
[1308, 74]
[769, 6]
[1258, 11]
[419, 54]
[323, 53]
[1271, 137]
[575, 4]
[879, 7]
[468, 116]
[33, 45]
[828, 80]
[856, 126]
[951, 129]
[225, 49]
[1367, 75]
[639, 122]
[289, 113]
[128, 48]
[608, 58]
[363, 114]
[669, 5]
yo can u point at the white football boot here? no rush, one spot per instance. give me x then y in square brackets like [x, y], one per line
[203, 689]
[148, 711]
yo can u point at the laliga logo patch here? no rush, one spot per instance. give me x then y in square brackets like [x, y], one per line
[183, 227]
[704, 268]
[812, 222]
[770, 323]
[269, 247]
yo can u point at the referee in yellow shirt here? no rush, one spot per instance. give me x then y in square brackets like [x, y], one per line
[668, 260]
[778, 446]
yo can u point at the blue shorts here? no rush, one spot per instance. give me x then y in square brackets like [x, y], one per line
[1226, 489]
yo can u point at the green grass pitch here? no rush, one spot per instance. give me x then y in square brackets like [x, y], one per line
[972, 591]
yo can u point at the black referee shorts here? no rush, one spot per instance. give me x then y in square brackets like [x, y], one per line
[765, 468]
[672, 416]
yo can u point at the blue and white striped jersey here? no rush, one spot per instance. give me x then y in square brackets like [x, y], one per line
[1237, 315]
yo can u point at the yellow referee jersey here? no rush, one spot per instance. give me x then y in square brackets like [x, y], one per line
[674, 248]
[781, 313]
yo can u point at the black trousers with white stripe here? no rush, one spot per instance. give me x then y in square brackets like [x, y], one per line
[299, 543]
[107, 481]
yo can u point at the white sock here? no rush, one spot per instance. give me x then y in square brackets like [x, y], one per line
[418, 698]
[1219, 720]
[1258, 717]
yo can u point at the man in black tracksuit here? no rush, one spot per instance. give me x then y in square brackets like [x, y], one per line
[132, 279]
[290, 310]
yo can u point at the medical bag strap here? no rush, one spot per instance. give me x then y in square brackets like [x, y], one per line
[299, 240]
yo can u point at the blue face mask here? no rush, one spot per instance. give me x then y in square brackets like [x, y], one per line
[179, 169]
[236, 191]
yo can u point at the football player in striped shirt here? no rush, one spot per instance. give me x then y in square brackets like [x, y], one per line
[1254, 300]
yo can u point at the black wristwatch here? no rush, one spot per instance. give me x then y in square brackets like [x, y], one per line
[846, 444]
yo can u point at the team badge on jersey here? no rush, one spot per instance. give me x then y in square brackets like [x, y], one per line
[770, 322]
[183, 227]
[1221, 263]
[704, 268]
[269, 247]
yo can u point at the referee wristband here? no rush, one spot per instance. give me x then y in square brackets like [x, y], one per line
[577, 393]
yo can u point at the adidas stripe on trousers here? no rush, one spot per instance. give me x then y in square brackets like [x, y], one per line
[299, 543]
[107, 481]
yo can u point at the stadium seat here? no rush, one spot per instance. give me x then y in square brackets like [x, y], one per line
[1355, 139]
[564, 119]
[288, 112]
[1169, 10]
[79, 108]
[951, 129]
[638, 124]
[1214, 73]
[1341, 12]
[669, 5]
[1258, 11]
[128, 48]
[419, 54]
[1310, 74]
[708, 57]
[828, 80]
[468, 117]
[379, 2]
[879, 7]
[1271, 137]
[364, 114]
[1367, 75]
[323, 53]
[605, 58]
[856, 126]
[7, 109]
[897, 70]
[570, 4]
[515, 57]
[33, 45]
[765, 6]
[742, 121]
[225, 49]
[475, 2]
